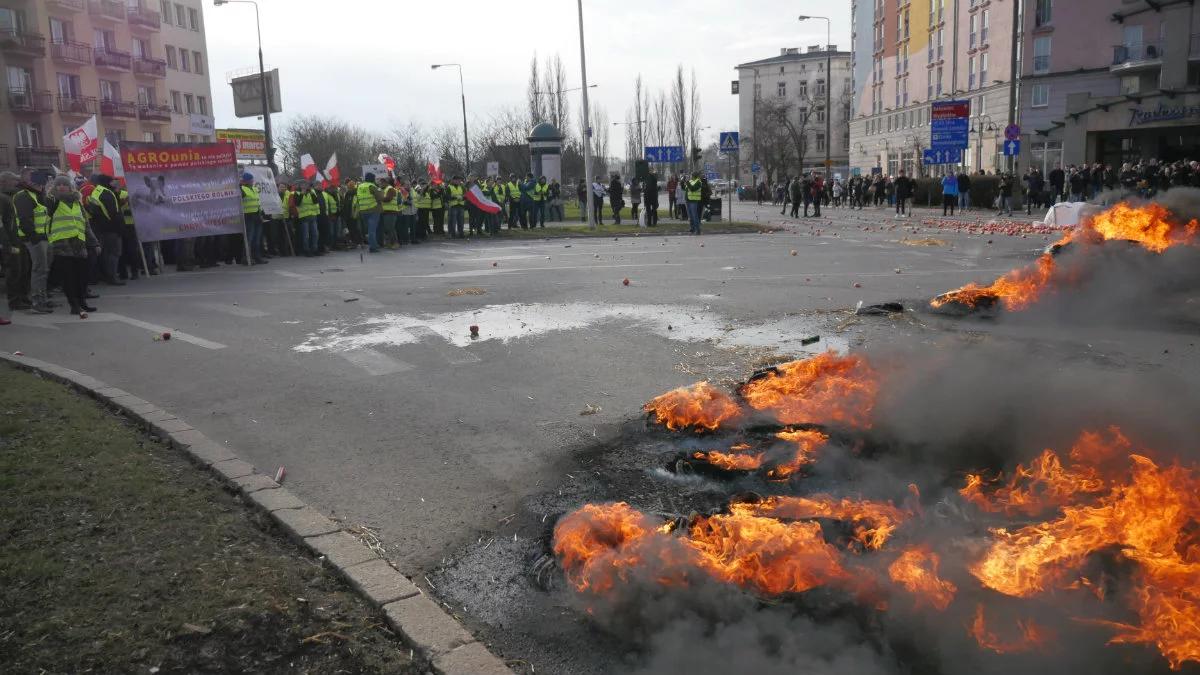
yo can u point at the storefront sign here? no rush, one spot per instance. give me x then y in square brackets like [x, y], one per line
[1162, 113]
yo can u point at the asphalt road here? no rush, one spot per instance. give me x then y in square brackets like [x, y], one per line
[360, 376]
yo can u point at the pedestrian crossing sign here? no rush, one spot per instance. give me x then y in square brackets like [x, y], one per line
[729, 142]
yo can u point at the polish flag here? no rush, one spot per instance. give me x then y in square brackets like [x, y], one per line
[308, 168]
[82, 144]
[387, 161]
[110, 162]
[332, 171]
[480, 201]
[435, 174]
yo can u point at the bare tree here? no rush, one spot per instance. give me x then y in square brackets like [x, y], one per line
[322, 136]
[781, 135]
[409, 146]
[679, 108]
[693, 120]
[447, 148]
[533, 95]
[554, 89]
[503, 138]
[600, 135]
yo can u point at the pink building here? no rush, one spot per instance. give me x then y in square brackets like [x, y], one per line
[1109, 81]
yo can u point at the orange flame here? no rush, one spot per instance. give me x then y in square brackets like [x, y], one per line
[700, 406]
[873, 522]
[917, 571]
[826, 388]
[1152, 226]
[1032, 636]
[1016, 290]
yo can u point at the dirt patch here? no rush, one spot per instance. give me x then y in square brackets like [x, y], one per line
[121, 556]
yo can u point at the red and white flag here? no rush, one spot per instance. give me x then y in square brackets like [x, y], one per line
[435, 174]
[480, 201]
[82, 144]
[308, 168]
[332, 173]
[387, 161]
[110, 162]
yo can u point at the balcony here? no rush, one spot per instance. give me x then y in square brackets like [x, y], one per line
[38, 156]
[76, 53]
[152, 112]
[27, 44]
[1141, 56]
[150, 67]
[79, 106]
[107, 10]
[112, 59]
[66, 5]
[146, 19]
[113, 108]
[29, 102]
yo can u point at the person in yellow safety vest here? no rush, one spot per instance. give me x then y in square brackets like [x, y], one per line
[307, 207]
[541, 192]
[252, 212]
[108, 223]
[334, 232]
[423, 202]
[455, 192]
[131, 255]
[693, 192]
[492, 191]
[367, 199]
[69, 235]
[25, 212]
[389, 208]
[406, 219]
[324, 229]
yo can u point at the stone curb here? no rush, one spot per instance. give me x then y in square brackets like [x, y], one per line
[449, 647]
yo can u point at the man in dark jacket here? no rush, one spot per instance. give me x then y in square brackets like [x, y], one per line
[650, 195]
[1056, 179]
[107, 222]
[796, 196]
[903, 186]
[964, 191]
[616, 197]
[818, 192]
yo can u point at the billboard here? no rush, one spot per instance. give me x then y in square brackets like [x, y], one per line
[182, 190]
[248, 144]
[247, 94]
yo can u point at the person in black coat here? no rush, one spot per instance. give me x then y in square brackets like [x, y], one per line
[650, 199]
[903, 187]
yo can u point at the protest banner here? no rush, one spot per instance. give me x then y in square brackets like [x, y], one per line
[181, 190]
[268, 190]
[248, 144]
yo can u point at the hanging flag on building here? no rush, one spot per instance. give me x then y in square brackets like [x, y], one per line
[110, 161]
[331, 171]
[308, 168]
[82, 144]
[480, 201]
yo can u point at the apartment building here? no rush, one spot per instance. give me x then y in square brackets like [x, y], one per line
[799, 77]
[140, 66]
[908, 53]
[1110, 81]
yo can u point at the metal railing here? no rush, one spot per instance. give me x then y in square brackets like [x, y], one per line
[150, 67]
[153, 112]
[112, 58]
[144, 18]
[77, 105]
[71, 52]
[107, 9]
[41, 156]
[117, 108]
[1135, 52]
[19, 42]
[69, 5]
[21, 100]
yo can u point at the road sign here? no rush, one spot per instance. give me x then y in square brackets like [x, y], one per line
[935, 156]
[729, 142]
[756, 168]
[949, 125]
[1012, 148]
[711, 175]
[1012, 132]
[664, 154]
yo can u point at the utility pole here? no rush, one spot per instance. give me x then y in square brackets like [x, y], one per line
[1013, 75]
[587, 122]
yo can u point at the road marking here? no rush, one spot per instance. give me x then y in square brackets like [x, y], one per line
[291, 275]
[244, 312]
[456, 356]
[375, 362]
[495, 271]
[45, 321]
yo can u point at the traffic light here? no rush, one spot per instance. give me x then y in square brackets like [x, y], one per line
[697, 155]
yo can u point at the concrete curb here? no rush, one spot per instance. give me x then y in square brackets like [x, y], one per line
[449, 647]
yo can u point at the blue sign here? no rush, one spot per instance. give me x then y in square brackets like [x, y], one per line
[949, 124]
[1012, 148]
[756, 168]
[935, 156]
[664, 154]
[729, 142]
[711, 175]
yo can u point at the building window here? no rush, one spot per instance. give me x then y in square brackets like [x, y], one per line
[821, 115]
[983, 76]
[164, 10]
[820, 87]
[189, 103]
[1131, 84]
[202, 104]
[802, 89]
[939, 81]
[974, 41]
[114, 136]
[1041, 54]
[180, 16]
[172, 59]
[971, 73]
[68, 86]
[1041, 16]
[146, 95]
[820, 142]
[177, 102]
[781, 89]
[1040, 96]
[181, 138]
[198, 63]
[110, 90]
[29, 135]
[60, 31]
[185, 61]
[941, 42]
[150, 136]
[194, 19]
[141, 48]
[985, 23]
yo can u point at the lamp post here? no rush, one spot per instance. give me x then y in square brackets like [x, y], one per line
[984, 123]
[587, 121]
[262, 84]
[462, 92]
[828, 91]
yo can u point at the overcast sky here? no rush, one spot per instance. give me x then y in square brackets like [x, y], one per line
[368, 60]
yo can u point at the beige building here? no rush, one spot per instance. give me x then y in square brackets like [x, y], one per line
[139, 66]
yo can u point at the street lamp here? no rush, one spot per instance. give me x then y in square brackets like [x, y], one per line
[587, 120]
[463, 93]
[262, 83]
[828, 90]
[984, 123]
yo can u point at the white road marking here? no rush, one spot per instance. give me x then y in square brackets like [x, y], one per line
[291, 275]
[375, 362]
[456, 356]
[236, 310]
[47, 321]
[492, 271]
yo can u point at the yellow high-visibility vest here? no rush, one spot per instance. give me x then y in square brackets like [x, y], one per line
[250, 200]
[68, 223]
